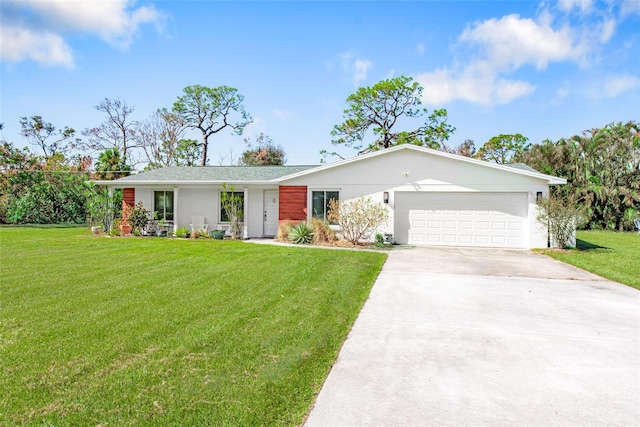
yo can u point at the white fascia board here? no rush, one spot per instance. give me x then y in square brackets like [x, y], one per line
[150, 183]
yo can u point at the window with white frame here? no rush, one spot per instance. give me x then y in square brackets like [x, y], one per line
[163, 205]
[320, 202]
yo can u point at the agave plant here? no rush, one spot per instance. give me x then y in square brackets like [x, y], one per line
[301, 233]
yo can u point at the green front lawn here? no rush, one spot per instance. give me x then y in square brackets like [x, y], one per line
[152, 331]
[615, 256]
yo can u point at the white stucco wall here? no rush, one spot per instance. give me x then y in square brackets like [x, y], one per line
[205, 201]
[409, 170]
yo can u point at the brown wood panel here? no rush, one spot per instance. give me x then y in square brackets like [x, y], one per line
[292, 203]
[129, 196]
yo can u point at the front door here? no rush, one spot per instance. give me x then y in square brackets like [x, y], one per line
[270, 227]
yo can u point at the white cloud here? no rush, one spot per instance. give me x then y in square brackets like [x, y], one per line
[42, 37]
[616, 85]
[358, 68]
[472, 85]
[561, 93]
[497, 48]
[630, 7]
[511, 42]
[421, 48]
[45, 48]
[583, 6]
[608, 29]
[283, 115]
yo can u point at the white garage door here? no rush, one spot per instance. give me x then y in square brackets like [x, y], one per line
[461, 219]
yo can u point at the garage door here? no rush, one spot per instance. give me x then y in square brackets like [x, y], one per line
[461, 219]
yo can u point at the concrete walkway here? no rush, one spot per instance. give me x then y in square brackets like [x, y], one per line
[465, 337]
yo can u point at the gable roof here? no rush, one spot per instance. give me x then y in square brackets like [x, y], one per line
[277, 174]
[517, 168]
[208, 174]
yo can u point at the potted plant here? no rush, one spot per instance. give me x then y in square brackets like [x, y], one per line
[217, 234]
[162, 228]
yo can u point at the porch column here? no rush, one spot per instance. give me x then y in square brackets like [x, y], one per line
[245, 233]
[175, 208]
[109, 220]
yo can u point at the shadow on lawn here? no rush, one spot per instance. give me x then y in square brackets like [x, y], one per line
[46, 226]
[586, 246]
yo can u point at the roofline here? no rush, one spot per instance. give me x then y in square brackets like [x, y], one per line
[552, 180]
[132, 183]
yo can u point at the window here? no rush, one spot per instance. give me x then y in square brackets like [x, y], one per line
[163, 205]
[320, 203]
[223, 214]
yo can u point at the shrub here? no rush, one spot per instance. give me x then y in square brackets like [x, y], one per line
[322, 232]
[283, 232]
[182, 232]
[116, 229]
[562, 215]
[139, 217]
[301, 233]
[232, 204]
[357, 218]
[199, 234]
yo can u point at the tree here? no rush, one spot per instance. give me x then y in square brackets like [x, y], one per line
[602, 168]
[40, 133]
[563, 215]
[264, 153]
[503, 148]
[380, 107]
[117, 131]
[187, 152]
[211, 110]
[357, 218]
[233, 205]
[159, 137]
[111, 165]
[466, 149]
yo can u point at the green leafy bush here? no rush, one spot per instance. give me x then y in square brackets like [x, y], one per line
[301, 233]
[182, 232]
[139, 217]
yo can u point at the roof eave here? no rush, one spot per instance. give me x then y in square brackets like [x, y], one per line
[133, 183]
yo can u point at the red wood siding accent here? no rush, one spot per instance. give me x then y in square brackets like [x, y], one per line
[129, 196]
[292, 203]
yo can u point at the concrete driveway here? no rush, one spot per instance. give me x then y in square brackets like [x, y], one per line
[487, 338]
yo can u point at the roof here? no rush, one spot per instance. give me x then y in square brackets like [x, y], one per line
[209, 174]
[198, 175]
[518, 168]
[521, 166]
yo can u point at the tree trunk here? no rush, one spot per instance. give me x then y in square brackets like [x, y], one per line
[204, 149]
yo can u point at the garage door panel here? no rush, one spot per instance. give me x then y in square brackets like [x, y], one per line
[465, 219]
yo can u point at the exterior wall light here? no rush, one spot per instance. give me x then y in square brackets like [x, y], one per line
[385, 197]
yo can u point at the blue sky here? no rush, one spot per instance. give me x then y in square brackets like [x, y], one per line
[543, 69]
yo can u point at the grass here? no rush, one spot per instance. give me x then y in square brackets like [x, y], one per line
[149, 331]
[608, 254]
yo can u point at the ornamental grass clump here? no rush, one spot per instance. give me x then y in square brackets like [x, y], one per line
[283, 232]
[322, 232]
